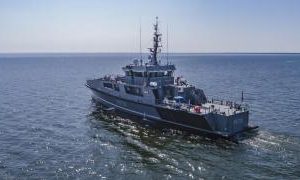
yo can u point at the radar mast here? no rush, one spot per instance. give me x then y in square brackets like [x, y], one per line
[156, 44]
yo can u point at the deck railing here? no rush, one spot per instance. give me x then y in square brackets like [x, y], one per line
[231, 104]
[235, 107]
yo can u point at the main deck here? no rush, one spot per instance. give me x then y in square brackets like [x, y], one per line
[225, 108]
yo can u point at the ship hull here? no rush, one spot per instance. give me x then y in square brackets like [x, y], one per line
[158, 115]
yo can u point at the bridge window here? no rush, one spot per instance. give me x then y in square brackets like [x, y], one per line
[128, 73]
[168, 73]
[159, 74]
[108, 85]
[156, 74]
[138, 74]
[133, 90]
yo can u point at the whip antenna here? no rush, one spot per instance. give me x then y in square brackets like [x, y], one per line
[167, 43]
[140, 40]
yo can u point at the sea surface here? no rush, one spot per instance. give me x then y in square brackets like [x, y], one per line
[51, 129]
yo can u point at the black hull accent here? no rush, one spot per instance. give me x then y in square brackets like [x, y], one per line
[183, 117]
[161, 124]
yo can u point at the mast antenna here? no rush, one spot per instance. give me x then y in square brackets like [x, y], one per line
[242, 99]
[156, 44]
[140, 41]
[167, 43]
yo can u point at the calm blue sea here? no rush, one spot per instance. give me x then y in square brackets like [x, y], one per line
[50, 128]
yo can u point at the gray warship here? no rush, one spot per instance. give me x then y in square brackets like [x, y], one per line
[150, 91]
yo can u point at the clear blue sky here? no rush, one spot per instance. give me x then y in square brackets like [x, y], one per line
[113, 26]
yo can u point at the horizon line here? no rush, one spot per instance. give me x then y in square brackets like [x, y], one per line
[120, 52]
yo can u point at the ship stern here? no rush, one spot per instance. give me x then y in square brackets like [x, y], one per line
[229, 125]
